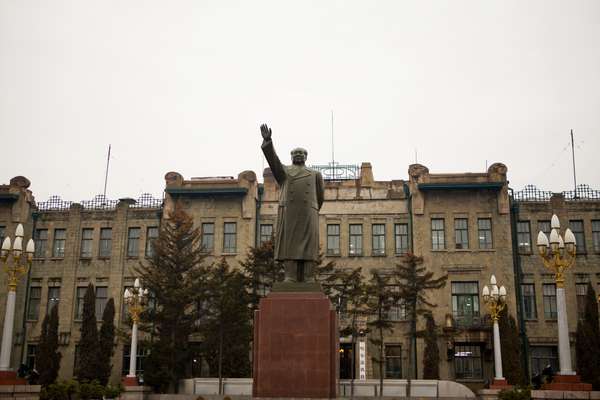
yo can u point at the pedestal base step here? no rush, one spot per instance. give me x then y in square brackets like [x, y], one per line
[11, 378]
[567, 382]
[500, 384]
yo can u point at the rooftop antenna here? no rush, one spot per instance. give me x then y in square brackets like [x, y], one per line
[106, 175]
[332, 147]
[573, 154]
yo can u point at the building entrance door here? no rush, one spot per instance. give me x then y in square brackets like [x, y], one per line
[347, 361]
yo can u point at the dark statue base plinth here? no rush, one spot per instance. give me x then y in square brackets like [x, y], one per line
[501, 384]
[295, 346]
[130, 381]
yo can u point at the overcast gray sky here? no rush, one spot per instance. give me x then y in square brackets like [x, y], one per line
[184, 85]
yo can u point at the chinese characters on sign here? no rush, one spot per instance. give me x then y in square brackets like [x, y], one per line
[362, 360]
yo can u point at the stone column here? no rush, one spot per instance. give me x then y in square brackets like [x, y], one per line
[564, 348]
[7, 333]
[133, 351]
[497, 352]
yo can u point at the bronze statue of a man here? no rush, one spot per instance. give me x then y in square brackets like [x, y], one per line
[300, 199]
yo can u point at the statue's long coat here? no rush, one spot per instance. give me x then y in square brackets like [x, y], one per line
[300, 199]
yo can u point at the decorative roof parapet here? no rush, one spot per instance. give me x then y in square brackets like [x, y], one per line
[531, 193]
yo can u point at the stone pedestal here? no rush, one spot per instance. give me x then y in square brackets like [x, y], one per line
[130, 381]
[501, 384]
[295, 346]
[567, 382]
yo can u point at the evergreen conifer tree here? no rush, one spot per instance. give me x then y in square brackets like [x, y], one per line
[380, 298]
[512, 366]
[48, 357]
[87, 355]
[413, 282]
[106, 343]
[175, 278]
[261, 271]
[226, 327]
[431, 356]
[588, 341]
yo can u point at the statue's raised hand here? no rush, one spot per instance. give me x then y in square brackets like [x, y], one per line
[265, 131]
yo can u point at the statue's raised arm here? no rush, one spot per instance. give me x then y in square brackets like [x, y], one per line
[268, 149]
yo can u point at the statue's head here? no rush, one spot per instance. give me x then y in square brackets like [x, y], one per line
[299, 156]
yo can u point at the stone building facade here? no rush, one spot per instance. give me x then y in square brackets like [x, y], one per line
[462, 224]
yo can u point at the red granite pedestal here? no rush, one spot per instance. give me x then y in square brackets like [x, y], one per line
[501, 384]
[567, 382]
[11, 378]
[295, 346]
[130, 381]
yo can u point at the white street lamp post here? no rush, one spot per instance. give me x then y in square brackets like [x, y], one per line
[135, 300]
[560, 258]
[495, 299]
[14, 270]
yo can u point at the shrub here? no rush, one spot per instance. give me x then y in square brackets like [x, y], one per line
[91, 390]
[64, 390]
[516, 393]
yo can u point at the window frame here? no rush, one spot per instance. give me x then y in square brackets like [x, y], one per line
[394, 360]
[596, 235]
[59, 243]
[205, 235]
[100, 303]
[355, 240]
[41, 244]
[436, 243]
[524, 246]
[400, 238]
[486, 242]
[333, 239]
[378, 240]
[579, 235]
[230, 237]
[459, 298]
[36, 303]
[461, 361]
[85, 242]
[265, 233]
[79, 302]
[105, 243]
[461, 233]
[549, 302]
[133, 242]
[52, 301]
[529, 298]
[149, 245]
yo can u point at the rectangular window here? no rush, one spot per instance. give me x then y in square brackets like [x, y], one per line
[437, 234]
[484, 228]
[467, 361]
[101, 300]
[393, 361]
[461, 233]
[208, 237]
[333, 239]
[139, 360]
[133, 242]
[40, 238]
[79, 302]
[151, 236]
[541, 356]
[2, 233]
[229, 237]
[596, 235]
[545, 227]
[465, 303]
[577, 228]
[397, 312]
[266, 233]
[524, 237]
[124, 311]
[528, 296]
[31, 352]
[53, 298]
[378, 239]
[356, 240]
[581, 292]
[401, 238]
[549, 300]
[33, 308]
[105, 242]
[87, 237]
[58, 248]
